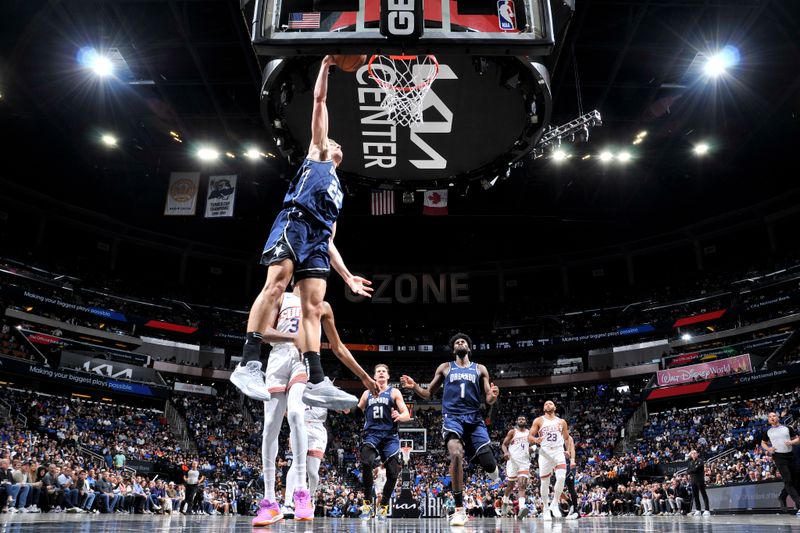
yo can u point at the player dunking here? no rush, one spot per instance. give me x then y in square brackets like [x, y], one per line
[301, 244]
[516, 453]
[463, 427]
[381, 439]
[286, 378]
[553, 433]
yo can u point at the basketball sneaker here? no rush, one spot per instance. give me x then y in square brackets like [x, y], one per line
[302, 505]
[366, 512]
[288, 511]
[546, 515]
[523, 512]
[504, 510]
[555, 509]
[268, 514]
[459, 517]
[250, 380]
[326, 394]
[706, 513]
[383, 513]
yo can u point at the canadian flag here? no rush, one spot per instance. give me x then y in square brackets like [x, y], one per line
[435, 202]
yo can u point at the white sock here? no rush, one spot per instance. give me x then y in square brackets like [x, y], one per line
[273, 417]
[545, 488]
[297, 434]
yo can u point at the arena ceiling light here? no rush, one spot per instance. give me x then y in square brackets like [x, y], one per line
[207, 153]
[701, 149]
[109, 140]
[92, 59]
[252, 153]
[717, 64]
[559, 155]
[623, 156]
[606, 156]
[686, 337]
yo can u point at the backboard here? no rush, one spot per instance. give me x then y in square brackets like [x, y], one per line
[469, 27]
[481, 115]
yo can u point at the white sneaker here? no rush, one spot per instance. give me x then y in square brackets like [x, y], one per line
[250, 380]
[287, 511]
[706, 513]
[696, 513]
[326, 394]
[523, 512]
[459, 517]
[546, 516]
[555, 509]
[572, 516]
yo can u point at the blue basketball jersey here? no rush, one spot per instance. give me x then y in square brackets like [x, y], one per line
[462, 390]
[378, 412]
[316, 190]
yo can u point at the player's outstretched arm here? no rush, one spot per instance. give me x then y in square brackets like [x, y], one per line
[438, 378]
[341, 351]
[318, 149]
[362, 402]
[357, 284]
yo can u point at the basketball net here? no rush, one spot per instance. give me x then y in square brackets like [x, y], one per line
[406, 452]
[405, 81]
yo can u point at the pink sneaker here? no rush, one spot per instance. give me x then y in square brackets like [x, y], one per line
[302, 505]
[268, 513]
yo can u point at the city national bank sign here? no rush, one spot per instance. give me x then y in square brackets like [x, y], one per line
[452, 288]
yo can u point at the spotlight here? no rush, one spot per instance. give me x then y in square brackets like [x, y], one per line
[718, 64]
[587, 156]
[559, 155]
[101, 66]
[701, 149]
[686, 337]
[606, 156]
[207, 154]
[108, 140]
[623, 157]
[642, 134]
[252, 153]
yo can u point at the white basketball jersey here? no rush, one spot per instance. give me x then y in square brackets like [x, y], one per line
[551, 431]
[289, 316]
[315, 415]
[518, 449]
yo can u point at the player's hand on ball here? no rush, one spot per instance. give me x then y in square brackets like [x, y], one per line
[360, 286]
[406, 382]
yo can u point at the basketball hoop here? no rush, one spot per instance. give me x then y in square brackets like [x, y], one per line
[405, 81]
[406, 451]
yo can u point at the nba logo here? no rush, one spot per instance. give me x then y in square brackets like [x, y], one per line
[506, 15]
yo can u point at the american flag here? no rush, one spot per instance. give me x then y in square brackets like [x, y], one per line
[382, 202]
[304, 20]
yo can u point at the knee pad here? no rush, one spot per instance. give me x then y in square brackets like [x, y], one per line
[486, 459]
[393, 468]
[368, 456]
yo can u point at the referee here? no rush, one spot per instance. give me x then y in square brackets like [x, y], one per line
[778, 441]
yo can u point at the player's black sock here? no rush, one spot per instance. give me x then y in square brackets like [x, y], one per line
[314, 367]
[458, 498]
[252, 347]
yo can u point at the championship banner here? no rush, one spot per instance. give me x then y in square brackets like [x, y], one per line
[182, 193]
[221, 195]
[704, 371]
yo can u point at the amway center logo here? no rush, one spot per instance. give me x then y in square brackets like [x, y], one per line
[378, 130]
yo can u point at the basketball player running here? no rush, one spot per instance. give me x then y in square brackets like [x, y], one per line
[381, 438]
[286, 378]
[779, 441]
[463, 427]
[517, 454]
[301, 244]
[553, 433]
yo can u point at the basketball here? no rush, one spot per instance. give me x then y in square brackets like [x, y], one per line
[349, 63]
